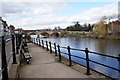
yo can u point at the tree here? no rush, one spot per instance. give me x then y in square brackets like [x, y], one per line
[90, 27]
[100, 27]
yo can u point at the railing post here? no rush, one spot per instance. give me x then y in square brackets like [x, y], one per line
[13, 50]
[39, 43]
[36, 41]
[87, 62]
[50, 47]
[47, 45]
[119, 57]
[42, 44]
[32, 39]
[17, 45]
[119, 63]
[69, 54]
[55, 49]
[59, 53]
[4, 61]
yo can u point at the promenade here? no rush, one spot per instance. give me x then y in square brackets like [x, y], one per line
[45, 65]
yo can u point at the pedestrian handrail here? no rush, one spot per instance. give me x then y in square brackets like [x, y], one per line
[57, 50]
[8, 55]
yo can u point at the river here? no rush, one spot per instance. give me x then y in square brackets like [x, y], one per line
[103, 46]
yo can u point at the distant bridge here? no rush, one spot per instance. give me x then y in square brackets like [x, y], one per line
[45, 33]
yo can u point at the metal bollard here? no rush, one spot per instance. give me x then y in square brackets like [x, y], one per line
[47, 45]
[69, 54]
[4, 61]
[55, 49]
[59, 53]
[87, 62]
[50, 47]
[13, 50]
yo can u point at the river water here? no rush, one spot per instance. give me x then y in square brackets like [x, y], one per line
[103, 46]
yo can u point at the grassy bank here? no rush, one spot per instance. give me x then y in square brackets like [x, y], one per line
[92, 35]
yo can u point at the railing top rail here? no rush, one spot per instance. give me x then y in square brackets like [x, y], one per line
[77, 49]
[91, 52]
[8, 39]
[103, 55]
[63, 47]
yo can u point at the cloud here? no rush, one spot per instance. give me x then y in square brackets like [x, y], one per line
[95, 14]
[60, 1]
[30, 15]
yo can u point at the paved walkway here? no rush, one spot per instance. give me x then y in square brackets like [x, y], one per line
[44, 65]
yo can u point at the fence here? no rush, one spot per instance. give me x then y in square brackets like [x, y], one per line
[9, 49]
[52, 47]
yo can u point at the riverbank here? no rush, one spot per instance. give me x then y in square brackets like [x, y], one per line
[91, 35]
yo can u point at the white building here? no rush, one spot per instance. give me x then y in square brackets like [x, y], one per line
[4, 29]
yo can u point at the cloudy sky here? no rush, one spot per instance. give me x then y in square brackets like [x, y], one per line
[28, 14]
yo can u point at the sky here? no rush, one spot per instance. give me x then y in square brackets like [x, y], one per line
[44, 14]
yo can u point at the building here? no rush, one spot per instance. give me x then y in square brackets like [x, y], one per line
[114, 27]
[12, 29]
[5, 29]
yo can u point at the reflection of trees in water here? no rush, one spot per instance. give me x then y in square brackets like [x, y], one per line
[107, 46]
[114, 46]
[102, 45]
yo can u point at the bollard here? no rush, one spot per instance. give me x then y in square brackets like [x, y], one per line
[13, 50]
[4, 61]
[87, 62]
[39, 43]
[55, 49]
[50, 47]
[47, 45]
[69, 54]
[42, 44]
[59, 53]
